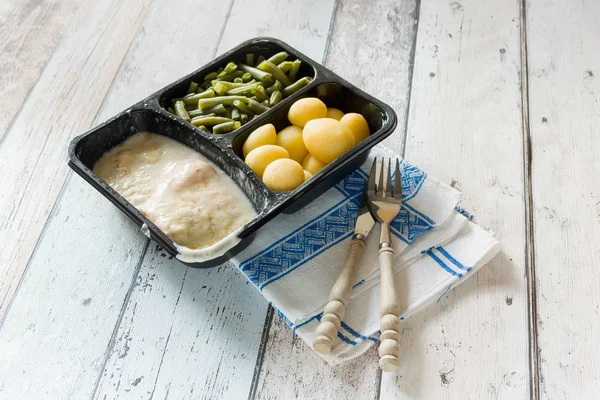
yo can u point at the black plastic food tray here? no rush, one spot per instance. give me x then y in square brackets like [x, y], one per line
[225, 150]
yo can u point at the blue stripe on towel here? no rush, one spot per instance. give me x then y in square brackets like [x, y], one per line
[356, 334]
[452, 259]
[334, 225]
[441, 263]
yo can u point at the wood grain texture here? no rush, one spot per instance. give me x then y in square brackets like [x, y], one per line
[63, 103]
[371, 46]
[30, 32]
[292, 370]
[564, 95]
[54, 338]
[186, 334]
[465, 129]
[351, 55]
[222, 332]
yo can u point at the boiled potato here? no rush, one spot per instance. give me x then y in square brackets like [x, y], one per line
[260, 157]
[358, 125]
[307, 175]
[305, 110]
[327, 139]
[334, 113]
[283, 174]
[261, 136]
[290, 138]
[312, 165]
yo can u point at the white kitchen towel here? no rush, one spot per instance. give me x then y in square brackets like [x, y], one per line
[295, 260]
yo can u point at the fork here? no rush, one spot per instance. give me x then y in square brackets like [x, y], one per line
[385, 206]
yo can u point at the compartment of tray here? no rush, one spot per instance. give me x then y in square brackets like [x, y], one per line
[333, 94]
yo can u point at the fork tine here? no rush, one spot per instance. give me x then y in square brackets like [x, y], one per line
[387, 189]
[371, 184]
[380, 189]
[397, 182]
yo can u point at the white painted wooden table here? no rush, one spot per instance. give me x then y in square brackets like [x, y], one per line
[499, 98]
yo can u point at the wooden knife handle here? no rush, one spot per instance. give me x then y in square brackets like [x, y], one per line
[339, 297]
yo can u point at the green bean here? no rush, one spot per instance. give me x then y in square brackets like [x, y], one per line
[278, 58]
[256, 107]
[194, 97]
[193, 87]
[268, 66]
[256, 73]
[294, 70]
[190, 107]
[218, 109]
[244, 118]
[180, 110]
[285, 66]
[250, 59]
[276, 87]
[260, 59]
[235, 113]
[197, 113]
[171, 110]
[203, 104]
[238, 80]
[230, 77]
[230, 67]
[219, 70]
[203, 128]
[265, 103]
[210, 76]
[247, 76]
[233, 85]
[299, 84]
[243, 107]
[226, 127]
[275, 98]
[247, 90]
[260, 93]
[220, 89]
[228, 113]
[209, 121]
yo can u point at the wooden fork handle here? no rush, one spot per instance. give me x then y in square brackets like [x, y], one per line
[339, 298]
[389, 310]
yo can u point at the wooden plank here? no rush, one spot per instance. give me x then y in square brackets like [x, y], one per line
[377, 60]
[54, 338]
[218, 318]
[564, 96]
[465, 129]
[75, 319]
[358, 53]
[30, 32]
[63, 103]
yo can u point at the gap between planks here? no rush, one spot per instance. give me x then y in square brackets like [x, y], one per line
[534, 372]
[269, 317]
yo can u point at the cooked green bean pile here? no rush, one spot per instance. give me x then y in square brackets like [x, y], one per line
[238, 92]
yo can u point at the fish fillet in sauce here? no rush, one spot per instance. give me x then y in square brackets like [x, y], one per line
[185, 195]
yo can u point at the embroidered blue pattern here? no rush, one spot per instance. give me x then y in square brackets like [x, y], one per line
[333, 226]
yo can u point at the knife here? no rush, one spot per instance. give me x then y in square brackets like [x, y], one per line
[340, 294]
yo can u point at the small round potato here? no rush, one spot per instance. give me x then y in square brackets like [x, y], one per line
[262, 135]
[283, 174]
[327, 139]
[260, 157]
[305, 110]
[307, 175]
[312, 165]
[290, 138]
[358, 125]
[334, 113]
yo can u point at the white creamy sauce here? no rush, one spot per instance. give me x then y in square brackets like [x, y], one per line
[194, 203]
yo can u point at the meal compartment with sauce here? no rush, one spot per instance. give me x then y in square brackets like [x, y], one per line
[224, 150]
